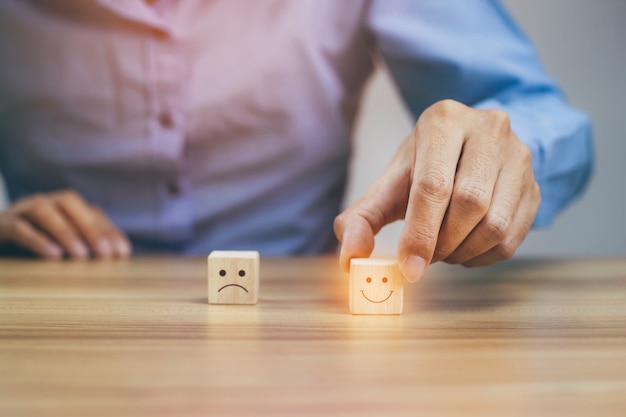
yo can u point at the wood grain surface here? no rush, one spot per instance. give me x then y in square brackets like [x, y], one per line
[137, 337]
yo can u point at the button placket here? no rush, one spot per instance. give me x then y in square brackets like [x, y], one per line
[166, 120]
[173, 188]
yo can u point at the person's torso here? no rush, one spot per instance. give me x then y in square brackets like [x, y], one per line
[200, 124]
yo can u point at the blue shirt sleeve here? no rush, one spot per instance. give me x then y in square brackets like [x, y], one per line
[471, 51]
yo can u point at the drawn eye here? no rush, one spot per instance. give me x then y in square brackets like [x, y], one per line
[385, 279]
[242, 273]
[368, 280]
[222, 273]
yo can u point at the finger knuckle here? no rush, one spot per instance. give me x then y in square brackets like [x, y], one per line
[447, 107]
[26, 199]
[15, 227]
[94, 216]
[536, 193]
[436, 184]
[442, 252]
[37, 206]
[339, 222]
[472, 197]
[96, 210]
[421, 237]
[497, 226]
[499, 119]
[36, 200]
[523, 153]
[505, 250]
[68, 195]
[443, 110]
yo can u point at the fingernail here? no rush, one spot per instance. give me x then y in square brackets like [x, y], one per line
[53, 251]
[104, 248]
[122, 247]
[413, 268]
[79, 249]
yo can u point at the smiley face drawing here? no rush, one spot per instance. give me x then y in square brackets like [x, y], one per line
[384, 280]
[233, 277]
[376, 286]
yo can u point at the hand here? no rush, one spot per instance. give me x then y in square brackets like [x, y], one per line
[61, 223]
[464, 184]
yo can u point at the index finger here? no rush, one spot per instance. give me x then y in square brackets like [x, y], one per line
[438, 147]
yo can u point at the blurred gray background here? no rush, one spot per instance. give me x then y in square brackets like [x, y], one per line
[581, 43]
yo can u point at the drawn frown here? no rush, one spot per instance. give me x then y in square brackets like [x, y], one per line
[233, 277]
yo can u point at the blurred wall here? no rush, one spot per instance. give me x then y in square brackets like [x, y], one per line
[581, 43]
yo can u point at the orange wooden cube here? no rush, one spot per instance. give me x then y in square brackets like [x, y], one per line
[376, 286]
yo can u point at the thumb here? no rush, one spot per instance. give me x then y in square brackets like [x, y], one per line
[383, 203]
[356, 235]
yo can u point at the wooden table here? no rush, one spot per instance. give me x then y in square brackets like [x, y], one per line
[525, 338]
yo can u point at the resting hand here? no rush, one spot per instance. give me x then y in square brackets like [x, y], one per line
[61, 224]
[462, 182]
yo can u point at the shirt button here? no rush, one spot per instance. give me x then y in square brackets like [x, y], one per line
[160, 34]
[166, 121]
[173, 189]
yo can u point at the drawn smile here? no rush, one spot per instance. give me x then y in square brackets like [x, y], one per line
[232, 285]
[377, 302]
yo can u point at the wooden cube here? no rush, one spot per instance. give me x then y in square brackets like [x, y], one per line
[233, 277]
[375, 286]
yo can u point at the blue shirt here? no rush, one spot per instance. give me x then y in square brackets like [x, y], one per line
[199, 125]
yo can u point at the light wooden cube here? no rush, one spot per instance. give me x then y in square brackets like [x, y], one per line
[375, 286]
[233, 277]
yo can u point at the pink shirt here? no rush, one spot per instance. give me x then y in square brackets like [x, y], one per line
[201, 124]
